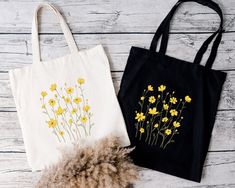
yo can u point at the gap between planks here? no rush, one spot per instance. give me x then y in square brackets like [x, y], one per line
[116, 33]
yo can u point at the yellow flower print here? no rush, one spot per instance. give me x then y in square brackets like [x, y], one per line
[159, 113]
[141, 130]
[53, 87]
[165, 119]
[165, 106]
[176, 124]
[142, 98]
[67, 100]
[187, 99]
[59, 111]
[156, 125]
[153, 111]
[74, 110]
[61, 133]
[81, 81]
[173, 112]
[83, 119]
[150, 88]
[43, 93]
[69, 111]
[51, 102]
[69, 90]
[86, 108]
[152, 99]
[173, 100]
[70, 121]
[52, 123]
[140, 116]
[168, 131]
[161, 88]
[77, 100]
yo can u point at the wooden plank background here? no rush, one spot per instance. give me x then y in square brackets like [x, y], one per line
[117, 25]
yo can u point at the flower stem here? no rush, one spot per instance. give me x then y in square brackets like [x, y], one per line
[57, 135]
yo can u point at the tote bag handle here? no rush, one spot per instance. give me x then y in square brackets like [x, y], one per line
[163, 31]
[35, 38]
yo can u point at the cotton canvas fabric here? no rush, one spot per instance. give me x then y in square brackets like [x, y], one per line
[169, 105]
[66, 100]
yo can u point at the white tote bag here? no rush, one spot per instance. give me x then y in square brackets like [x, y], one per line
[66, 100]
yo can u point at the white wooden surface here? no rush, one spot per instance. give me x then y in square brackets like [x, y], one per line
[117, 25]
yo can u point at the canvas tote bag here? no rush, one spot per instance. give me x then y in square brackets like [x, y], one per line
[66, 100]
[170, 105]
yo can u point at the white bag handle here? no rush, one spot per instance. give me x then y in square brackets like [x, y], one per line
[35, 39]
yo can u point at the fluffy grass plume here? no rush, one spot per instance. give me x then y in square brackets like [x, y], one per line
[103, 165]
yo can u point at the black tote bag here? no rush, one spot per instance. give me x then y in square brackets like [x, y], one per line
[169, 105]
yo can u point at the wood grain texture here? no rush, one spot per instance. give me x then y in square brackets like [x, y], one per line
[15, 50]
[117, 25]
[14, 172]
[87, 16]
[217, 172]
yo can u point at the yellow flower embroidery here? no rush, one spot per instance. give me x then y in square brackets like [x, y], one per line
[81, 81]
[168, 131]
[165, 119]
[64, 111]
[74, 110]
[61, 133]
[161, 88]
[173, 100]
[150, 88]
[43, 93]
[174, 112]
[187, 99]
[59, 111]
[52, 123]
[141, 130]
[152, 99]
[83, 119]
[69, 90]
[176, 124]
[67, 100]
[153, 111]
[86, 108]
[77, 100]
[165, 106]
[166, 123]
[70, 121]
[156, 125]
[53, 87]
[51, 102]
[140, 117]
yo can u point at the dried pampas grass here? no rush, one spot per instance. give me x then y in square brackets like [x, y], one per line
[105, 165]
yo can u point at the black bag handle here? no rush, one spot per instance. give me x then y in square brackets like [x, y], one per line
[163, 31]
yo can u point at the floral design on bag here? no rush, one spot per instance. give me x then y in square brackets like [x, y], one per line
[159, 117]
[68, 111]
